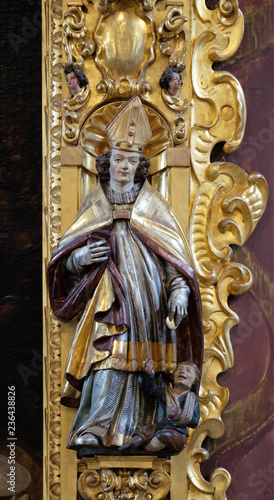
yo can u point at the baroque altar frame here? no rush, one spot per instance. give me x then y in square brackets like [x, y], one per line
[217, 204]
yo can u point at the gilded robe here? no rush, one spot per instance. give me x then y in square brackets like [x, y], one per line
[123, 306]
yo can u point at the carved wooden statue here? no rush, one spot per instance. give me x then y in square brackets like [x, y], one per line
[125, 269]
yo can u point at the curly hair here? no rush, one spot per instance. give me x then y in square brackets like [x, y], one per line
[80, 75]
[102, 166]
[167, 77]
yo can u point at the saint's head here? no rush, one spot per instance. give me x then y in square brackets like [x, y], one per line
[120, 160]
[128, 133]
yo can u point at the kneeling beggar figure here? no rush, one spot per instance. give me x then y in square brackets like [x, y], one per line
[124, 269]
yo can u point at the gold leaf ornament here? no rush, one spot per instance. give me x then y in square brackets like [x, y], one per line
[173, 37]
[226, 210]
[75, 30]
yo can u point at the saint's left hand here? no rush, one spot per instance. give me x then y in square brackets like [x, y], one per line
[177, 306]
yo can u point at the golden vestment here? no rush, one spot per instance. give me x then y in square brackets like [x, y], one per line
[123, 306]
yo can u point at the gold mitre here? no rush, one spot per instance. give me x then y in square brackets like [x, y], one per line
[130, 129]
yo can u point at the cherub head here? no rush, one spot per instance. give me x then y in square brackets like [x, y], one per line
[76, 79]
[171, 81]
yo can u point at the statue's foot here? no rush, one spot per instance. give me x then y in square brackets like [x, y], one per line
[155, 445]
[87, 440]
[134, 443]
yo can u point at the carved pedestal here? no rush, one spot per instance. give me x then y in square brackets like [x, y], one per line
[127, 478]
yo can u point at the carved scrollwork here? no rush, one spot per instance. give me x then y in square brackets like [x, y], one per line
[224, 114]
[71, 120]
[78, 100]
[75, 31]
[71, 127]
[124, 86]
[180, 133]
[139, 481]
[227, 208]
[174, 102]
[159, 485]
[173, 37]
[110, 481]
[124, 485]
[228, 12]
[220, 478]
[235, 279]
[90, 481]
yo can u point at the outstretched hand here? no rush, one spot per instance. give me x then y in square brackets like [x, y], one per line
[148, 367]
[177, 306]
[91, 253]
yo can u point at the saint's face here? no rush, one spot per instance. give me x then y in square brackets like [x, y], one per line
[73, 84]
[184, 376]
[174, 84]
[123, 165]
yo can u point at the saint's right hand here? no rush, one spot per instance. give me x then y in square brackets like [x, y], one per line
[91, 253]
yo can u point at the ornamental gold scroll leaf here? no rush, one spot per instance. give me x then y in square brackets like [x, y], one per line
[75, 108]
[173, 37]
[227, 207]
[75, 31]
[126, 484]
[219, 103]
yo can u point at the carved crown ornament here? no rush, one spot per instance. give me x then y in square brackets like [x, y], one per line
[225, 203]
